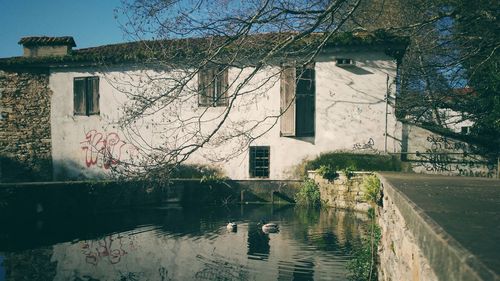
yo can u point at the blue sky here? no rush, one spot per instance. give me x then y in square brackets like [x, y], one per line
[90, 22]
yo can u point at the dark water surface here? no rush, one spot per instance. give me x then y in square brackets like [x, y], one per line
[180, 243]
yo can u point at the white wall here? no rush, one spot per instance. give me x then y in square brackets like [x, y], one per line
[350, 115]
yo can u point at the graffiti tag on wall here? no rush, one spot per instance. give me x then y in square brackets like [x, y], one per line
[367, 145]
[452, 157]
[106, 149]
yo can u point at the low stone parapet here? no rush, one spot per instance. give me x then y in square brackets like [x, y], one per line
[343, 192]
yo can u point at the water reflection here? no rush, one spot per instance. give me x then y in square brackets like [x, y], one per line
[258, 242]
[2, 270]
[183, 244]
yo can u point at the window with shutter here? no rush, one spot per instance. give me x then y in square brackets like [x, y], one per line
[213, 86]
[305, 102]
[287, 104]
[79, 97]
[93, 95]
[86, 96]
[298, 91]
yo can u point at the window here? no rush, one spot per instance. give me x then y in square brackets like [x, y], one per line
[212, 86]
[86, 96]
[465, 130]
[298, 91]
[259, 161]
[344, 62]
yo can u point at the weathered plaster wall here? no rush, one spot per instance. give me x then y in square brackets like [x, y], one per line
[435, 154]
[25, 139]
[350, 115]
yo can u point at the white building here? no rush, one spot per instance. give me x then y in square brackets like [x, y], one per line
[338, 103]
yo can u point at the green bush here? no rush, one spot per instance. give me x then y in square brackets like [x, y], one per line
[361, 162]
[371, 188]
[327, 172]
[308, 194]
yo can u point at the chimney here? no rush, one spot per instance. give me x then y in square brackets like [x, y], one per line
[43, 46]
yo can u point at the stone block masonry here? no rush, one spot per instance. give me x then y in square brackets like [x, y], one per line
[399, 253]
[439, 228]
[25, 137]
[342, 193]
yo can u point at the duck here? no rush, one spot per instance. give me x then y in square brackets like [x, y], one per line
[270, 228]
[232, 226]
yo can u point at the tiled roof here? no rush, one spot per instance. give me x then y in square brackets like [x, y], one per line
[46, 40]
[193, 49]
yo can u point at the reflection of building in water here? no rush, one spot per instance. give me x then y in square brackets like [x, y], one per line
[2, 269]
[309, 244]
[258, 243]
[29, 265]
[300, 269]
[220, 269]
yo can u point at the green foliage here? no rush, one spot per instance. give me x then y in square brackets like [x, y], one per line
[349, 171]
[327, 172]
[360, 162]
[362, 267]
[308, 194]
[371, 188]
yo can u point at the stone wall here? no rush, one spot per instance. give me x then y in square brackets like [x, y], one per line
[25, 142]
[342, 193]
[400, 257]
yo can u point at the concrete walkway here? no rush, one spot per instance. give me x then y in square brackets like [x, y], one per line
[463, 213]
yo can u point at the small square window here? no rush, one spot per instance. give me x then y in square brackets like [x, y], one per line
[344, 62]
[212, 86]
[259, 161]
[465, 130]
[86, 96]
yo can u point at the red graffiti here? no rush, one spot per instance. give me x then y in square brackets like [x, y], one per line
[109, 248]
[105, 149]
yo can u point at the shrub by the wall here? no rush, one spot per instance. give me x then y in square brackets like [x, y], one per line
[358, 162]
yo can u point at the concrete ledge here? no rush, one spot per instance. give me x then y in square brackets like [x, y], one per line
[447, 257]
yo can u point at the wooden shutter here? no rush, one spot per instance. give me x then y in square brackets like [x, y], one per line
[79, 97]
[203, 87]
[287, 104]
[222, 87]
[305, 101]
[93, 95]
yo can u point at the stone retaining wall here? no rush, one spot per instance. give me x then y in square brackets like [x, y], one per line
[25, 138]
[400, 256]
[342, 193]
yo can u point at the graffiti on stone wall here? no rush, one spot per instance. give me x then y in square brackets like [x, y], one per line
[449, 156]
[362, 146]
[110, 248]
[106, 149]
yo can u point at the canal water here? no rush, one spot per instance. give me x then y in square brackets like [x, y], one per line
[181, 243]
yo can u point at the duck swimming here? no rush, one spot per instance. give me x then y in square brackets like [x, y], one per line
[232, 226]
[270, 228]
